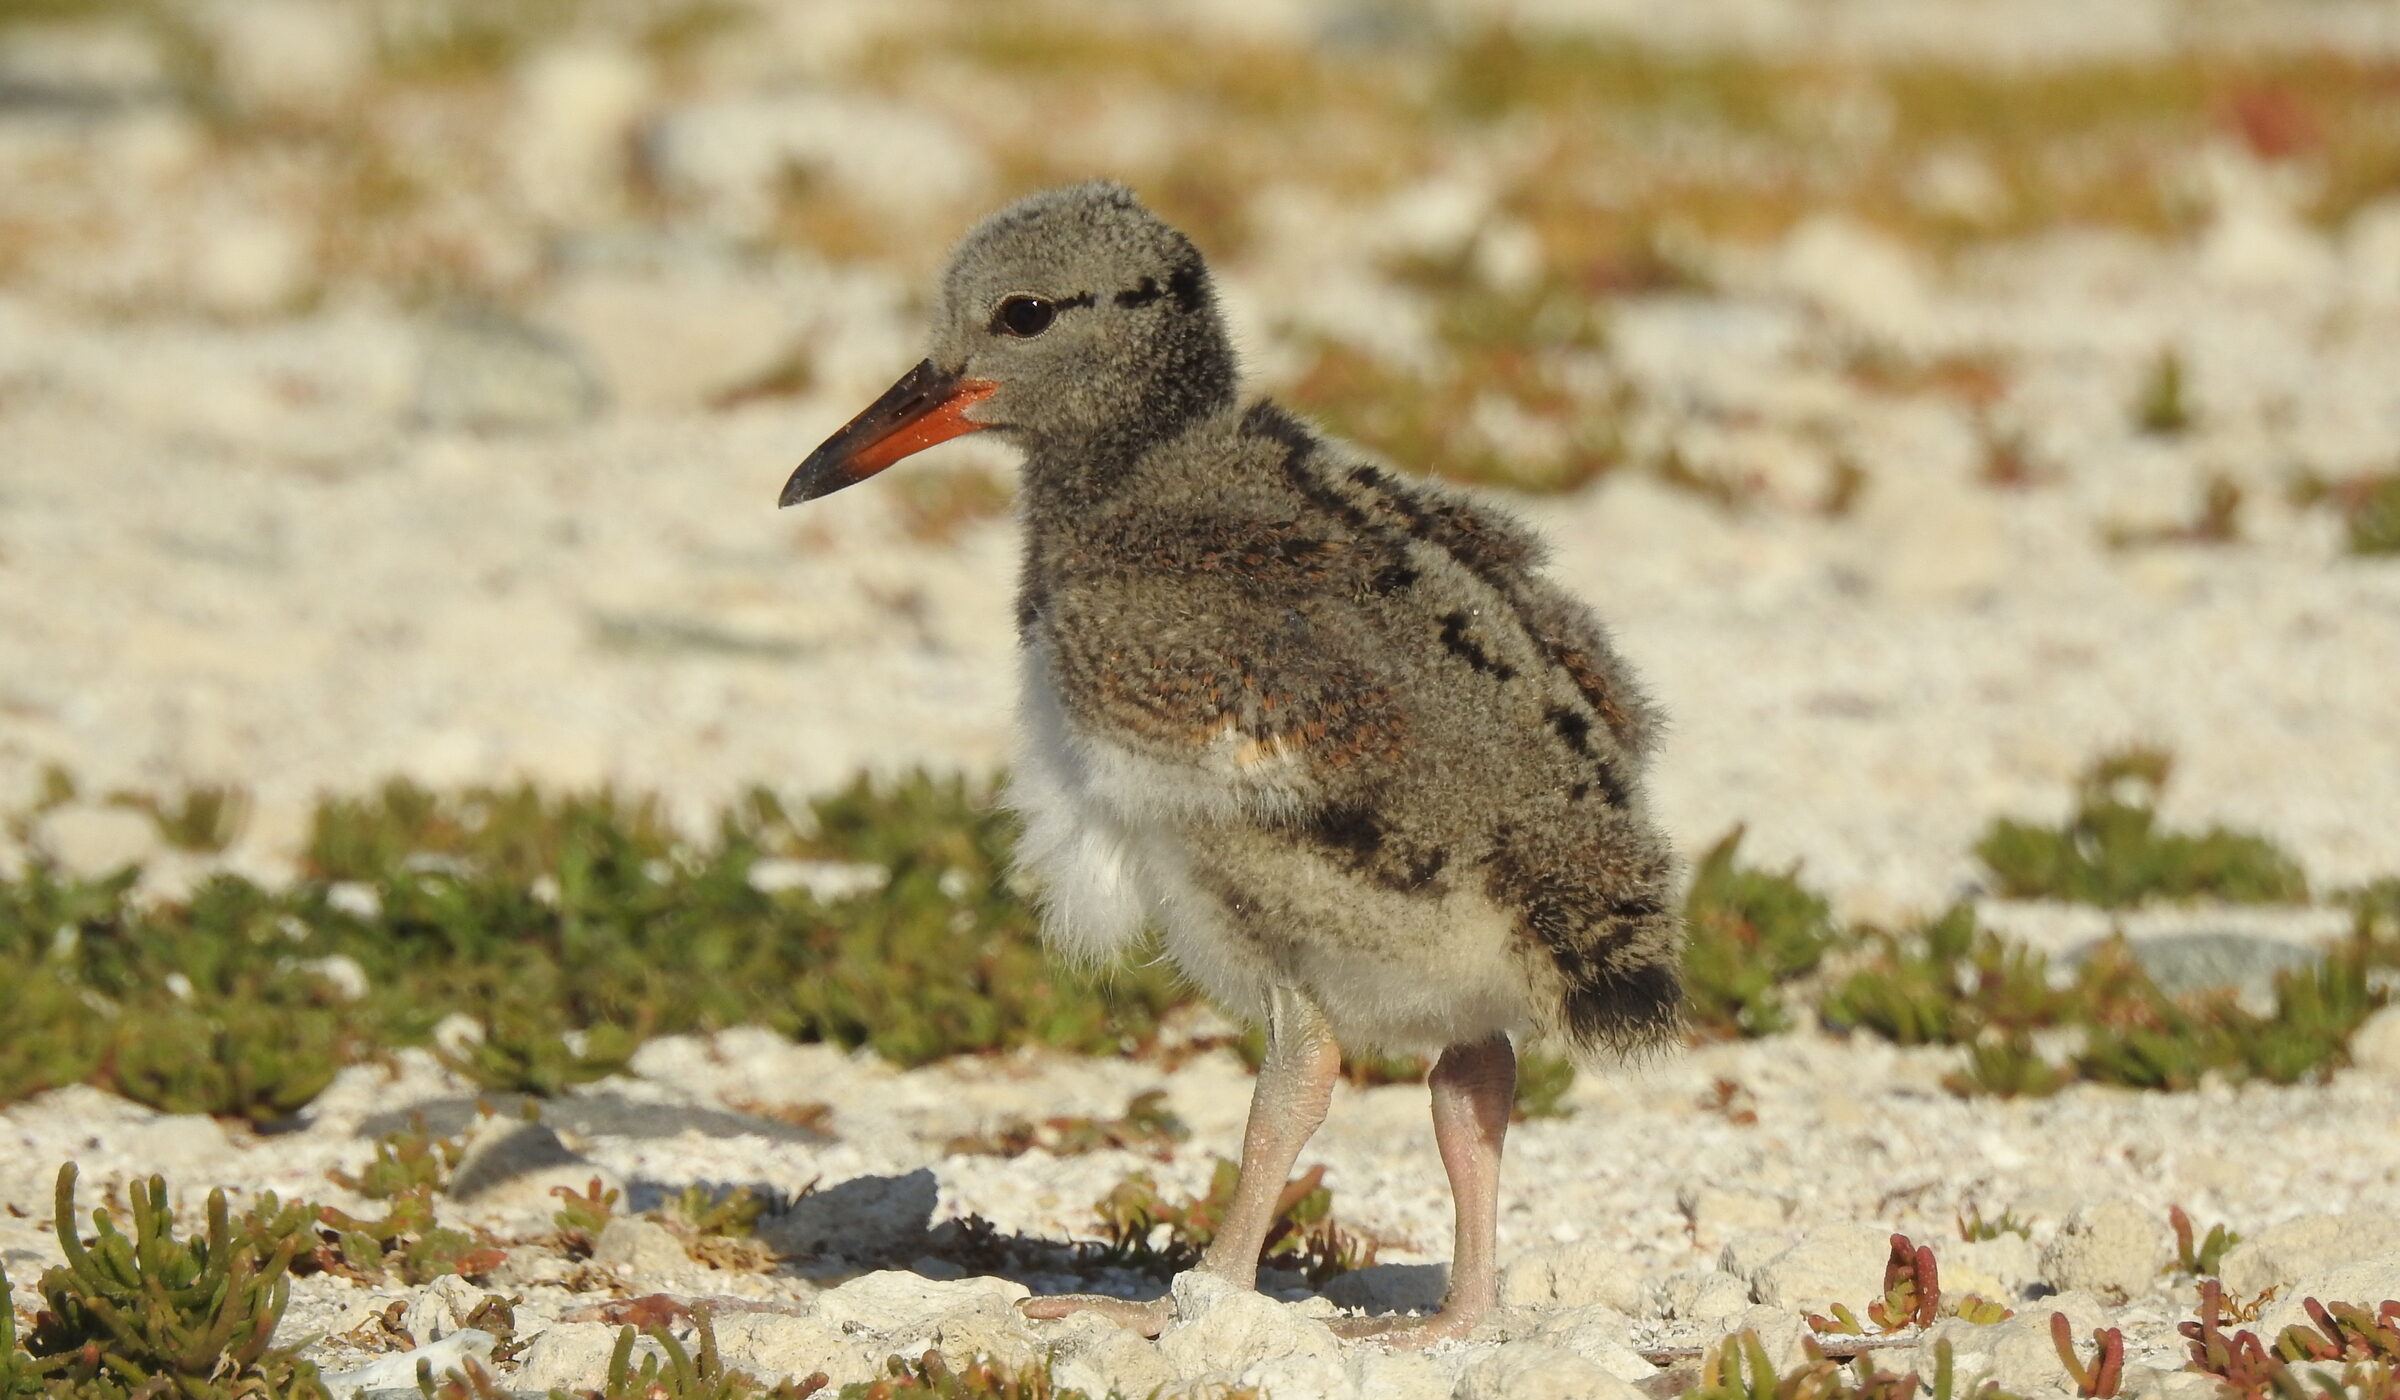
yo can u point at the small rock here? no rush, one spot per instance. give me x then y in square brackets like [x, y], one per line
[569, 1356]
[1391, 1288]
[441, 1307]
[486, 372]
[2365, 1282]
[2375, 1048]
[2113, 1248]
[1223, 1328]
[1780, 1331]
[890, 1302]
[1533, 1371]
[1843, 1264]
[1573, 1275]
[2282, 1255]
[642, 1248]
[398, 1371]
[2023, 1357]
[776, 1345]
[512, 1163]
[1699, 1295]
[1599, 1334]
[906, 1313]
[1097, 1356]
[92, 841]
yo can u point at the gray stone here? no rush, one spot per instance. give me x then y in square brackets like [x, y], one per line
[641, 1248]
[487, 372]
[1573, 1275]
[2113, 1248]
[1534, 1371]
[92, 841]
[1841, 1264]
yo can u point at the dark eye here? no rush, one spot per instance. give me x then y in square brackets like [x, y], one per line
[1024, 317]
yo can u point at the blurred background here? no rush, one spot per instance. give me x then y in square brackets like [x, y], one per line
[1933, 393]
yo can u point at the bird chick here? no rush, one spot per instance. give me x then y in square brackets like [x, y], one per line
[1374, 780]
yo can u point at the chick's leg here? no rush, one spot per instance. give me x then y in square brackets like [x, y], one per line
[1287, 1105]
[1474, 1089]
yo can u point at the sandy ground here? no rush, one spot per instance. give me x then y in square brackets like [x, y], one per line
[295, 546]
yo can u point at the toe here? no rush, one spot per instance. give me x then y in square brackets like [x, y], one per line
[1148, 1318]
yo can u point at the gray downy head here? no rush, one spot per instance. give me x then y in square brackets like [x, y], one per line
[1073, 322]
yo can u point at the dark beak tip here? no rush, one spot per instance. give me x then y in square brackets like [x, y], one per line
[926, 406]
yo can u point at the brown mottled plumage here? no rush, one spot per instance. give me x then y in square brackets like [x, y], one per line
[1372, 777]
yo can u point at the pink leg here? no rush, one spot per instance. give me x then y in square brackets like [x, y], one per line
[1295, 1085]
[1474, 1089]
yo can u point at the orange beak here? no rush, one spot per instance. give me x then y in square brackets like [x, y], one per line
[925, 407]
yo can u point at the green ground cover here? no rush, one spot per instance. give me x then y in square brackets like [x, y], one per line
[569, 928]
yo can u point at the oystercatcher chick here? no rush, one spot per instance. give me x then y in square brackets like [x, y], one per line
[1374, 779]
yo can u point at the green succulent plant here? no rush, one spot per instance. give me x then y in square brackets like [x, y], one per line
[148, 1315]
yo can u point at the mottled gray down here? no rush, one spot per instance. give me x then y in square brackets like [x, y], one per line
[1321, 724]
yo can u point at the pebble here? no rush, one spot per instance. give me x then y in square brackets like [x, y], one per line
[2111, 1247]
[1834, 1264]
